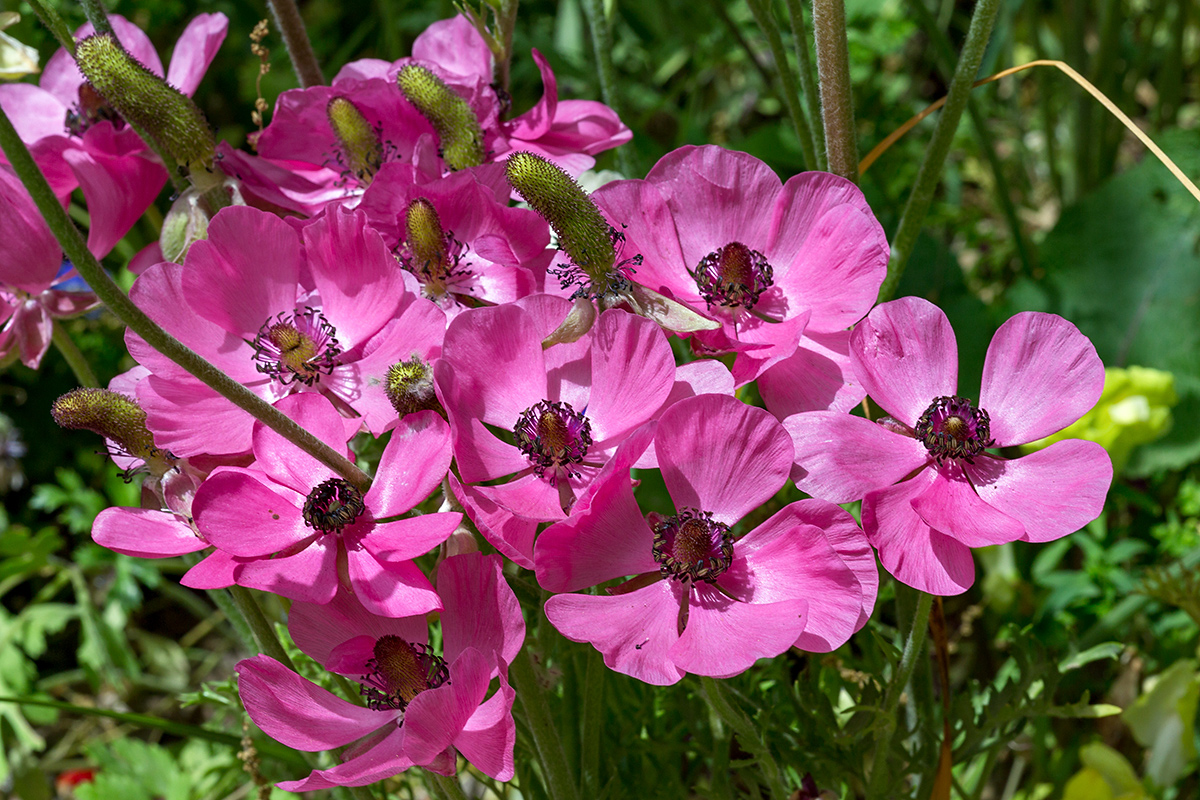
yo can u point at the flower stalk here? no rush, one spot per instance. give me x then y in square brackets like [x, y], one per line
[788, 90]
[295, 38]
[546, 739]
[72, 355]
[833, 73]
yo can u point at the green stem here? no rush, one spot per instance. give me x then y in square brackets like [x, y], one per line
[930, 171]
[748, 735]
[295, 39]
[96, 15]
[506, 22]
[789, 91]
[70, 353]
[837, 101]
[808, 79]
[110, 294]
[260, 627]
[360, 792]
[444, 786]
[546, 739]
[602, 46]
[54, 22]
[591, 724]
[887, 720]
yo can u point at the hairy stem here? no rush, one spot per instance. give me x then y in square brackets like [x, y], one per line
[833, 72]
[110, 294]
[930, 171]
[54, 22]
[96, 15]
[295, 39]
[808, 79]
[546, 739]
[74, 358]
[789, 91]
[602, 48]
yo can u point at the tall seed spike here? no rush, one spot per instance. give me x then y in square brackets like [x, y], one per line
[425, 237]
[458, 131]
[359, 139]
[110, 414]
[176, 124]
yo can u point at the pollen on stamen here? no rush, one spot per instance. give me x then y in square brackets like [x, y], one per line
[692, 546]
[297, 347]
[951, 427]
[429, 251]
[554, 437]
[399, 671]
[733, 276]
[333, 505]
[360, 142]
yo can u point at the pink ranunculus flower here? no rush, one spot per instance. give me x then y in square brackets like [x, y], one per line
[567, 406]
[291, 526]
[705, 600]
[931, 486]
[786, 268]
[79, 142]
[421, 707]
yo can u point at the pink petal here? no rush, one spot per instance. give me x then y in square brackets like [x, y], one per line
[489, 736]
[405, 539]
[118, 190]
[1040, 375]
[29, 254]
[310, 575]
[413, 464]
[195, 50]
[851, 544]
[951, 506]
[286, 463]
[34, 112]
[909, 549]
[633, 370]
[455, 46]
[510, 534]
[391, 589]
[634, 631]
[351, 656]
[318, 629]
[905, 355]
[720, 455]
[817, 377]
[435, 717]
[145, 533]
[190, 419]
[237, 513]
[297, 712]
[1054, 491]
[34, 329]
[725, 637]
[479, 610]
[383, 759]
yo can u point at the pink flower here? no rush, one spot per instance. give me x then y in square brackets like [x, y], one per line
[931, 487]
[81, 143]
[419, 715]
[785, 268]
[289, 525]
[567, 406]
[706, 600]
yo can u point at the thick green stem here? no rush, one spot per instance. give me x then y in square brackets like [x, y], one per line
[591, 724]
[602, 48]
[445, 787]
[789, 91]
[54, 22]
[913, 648]
[75, 360]
[748, 735]
[930, 172]
[808, 79]
[506, 21]
[837, 101]
[295, 39]
[260, 627]
[96, 15]
[546, 740]
[110, 294]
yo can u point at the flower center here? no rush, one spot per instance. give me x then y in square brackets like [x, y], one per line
[553, 436]
[297, 347]
[733, 276]
[360, 143]
[90, 109]
[429, 251]
[332, 506]
[953, 428]
[409, 387]
[692, 546]
[399, 672]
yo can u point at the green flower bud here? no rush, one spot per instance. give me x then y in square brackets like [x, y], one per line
[459, 135]
[148, 102]
[409, 387]
[426, 242]
[114, 416]
[360, 140]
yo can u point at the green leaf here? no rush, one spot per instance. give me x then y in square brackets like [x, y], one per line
[1164, 720]
[1100, 651]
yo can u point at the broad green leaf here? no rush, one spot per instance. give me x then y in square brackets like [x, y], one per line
[1100, 651]
[1164, 721]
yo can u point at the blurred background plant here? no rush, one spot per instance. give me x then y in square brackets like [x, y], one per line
[1045, 203]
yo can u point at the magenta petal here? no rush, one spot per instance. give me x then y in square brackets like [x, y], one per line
[383, 759]
[391, 589]
[413, 464]
[950, 505]
[351, 656]
[318, 629]
[297, 712]
[633, 370]
[286, 463]
[1054, 492]
[510, 534]
[718, 454]
[817, 377]
[29, 254]
[840, 457]
[217, 570]
[1040, 375]
[310, 575]
[851, 544]
[725, 637]
[173, 409]
[479, 608]
[145, 533]
[405, 539]
[909, 549]
[634, 631]
[435, 717]
[905, 354]
[195, 50]
[118, 190]
[488, 738]
[34, 329]
[455, 46]
[239, 514]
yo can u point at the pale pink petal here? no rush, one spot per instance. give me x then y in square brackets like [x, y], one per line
[413, 464]
[383, 759]
[489, 736]
[851, 544]
[34, 112]
[510, 534]
[435, 717]
[905, 355]
[718, 454]
[840, 457]
[455, 46]
[195, 50]
[391, 589]
[1054, 491]
[240, 515]
[190, 419]
[951, 506]
[1040, 375]
[479, 608]
[725, 637]
[817, 377]
[910, 550]
[145, 533]
[633, 631]
[633, 370]
[297, 712]
[405, 539]
[310, 575]
[703, 376]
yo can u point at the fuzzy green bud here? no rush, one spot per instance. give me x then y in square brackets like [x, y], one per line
[582, 231]
[409, 387]
[360, 141]
[114, 416]
[147, 102]
[459, 135]
[425, 240]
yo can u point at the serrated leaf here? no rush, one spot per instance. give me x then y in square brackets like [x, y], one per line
[1097, 653]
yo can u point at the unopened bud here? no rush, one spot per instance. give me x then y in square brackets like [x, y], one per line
[147, 102]
[459, 136]
[425, 240]
[409, 387]
[112, 415]
[185, 224]
[360, 141]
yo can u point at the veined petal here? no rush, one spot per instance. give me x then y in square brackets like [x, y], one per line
[817, 377]
[950, 505]
[435, 717]
[195, 50]
[413, 464]
[479, 609]
[384, 759]
[391, 589]
[725, 637]
[145, 533]
[633, 370]
[488, 738]
[239, 514]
